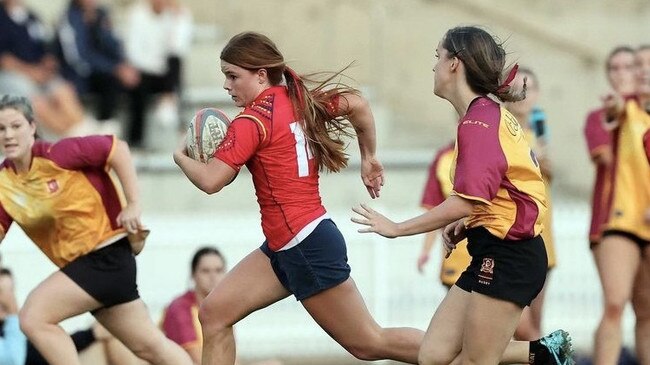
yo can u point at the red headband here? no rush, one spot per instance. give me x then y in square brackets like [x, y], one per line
[511, 76]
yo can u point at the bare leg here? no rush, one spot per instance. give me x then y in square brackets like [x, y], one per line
[617, 259]
[443, 340]
[641, 305]
[117, 354]
[530, 324]
[145, 339]
[342, 313]
[39, 319]
[487, 315]
[229, 302]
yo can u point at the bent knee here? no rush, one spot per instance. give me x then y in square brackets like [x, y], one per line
[614, 311]
[149, 349]
[215, 316]
[29, 323]
[435, 357]
[365, 352]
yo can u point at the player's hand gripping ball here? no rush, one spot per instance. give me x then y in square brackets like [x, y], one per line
[206, 131]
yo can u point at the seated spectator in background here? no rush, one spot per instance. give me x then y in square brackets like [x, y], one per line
[92, 58]
[158, 33]
[13, 343]
[28, 69]
[16, 350]
[180, 321]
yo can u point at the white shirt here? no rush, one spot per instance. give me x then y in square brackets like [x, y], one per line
[151, 38]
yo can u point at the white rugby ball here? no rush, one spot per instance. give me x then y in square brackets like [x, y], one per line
[206, 131]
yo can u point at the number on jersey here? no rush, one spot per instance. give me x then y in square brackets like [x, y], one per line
[303, 151]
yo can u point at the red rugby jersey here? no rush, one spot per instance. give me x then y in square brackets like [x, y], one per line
[269, 140]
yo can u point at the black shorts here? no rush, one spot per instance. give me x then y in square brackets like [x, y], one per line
[316, 264]
[108, 274]
[630, 236]
[514, 271]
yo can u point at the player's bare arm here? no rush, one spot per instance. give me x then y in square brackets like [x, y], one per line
[120, 161]
[357, 109]
[451, 210]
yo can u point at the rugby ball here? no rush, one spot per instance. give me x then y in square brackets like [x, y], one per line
[206, 131]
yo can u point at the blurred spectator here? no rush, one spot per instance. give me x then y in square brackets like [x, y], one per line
[28, 69]
[13, 344]
[158, 34]
[437, 188]
[93, 59]
[180, 321]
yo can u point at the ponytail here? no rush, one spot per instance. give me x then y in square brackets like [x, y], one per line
[321, 125]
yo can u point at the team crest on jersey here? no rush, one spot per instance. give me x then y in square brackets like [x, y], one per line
[487, 271]
[52, 186]
[512, 124]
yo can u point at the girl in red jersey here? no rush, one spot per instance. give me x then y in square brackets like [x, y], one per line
[62, 196]
[498, 202]
[285, 135]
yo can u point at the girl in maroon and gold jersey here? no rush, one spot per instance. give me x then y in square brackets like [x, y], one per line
[498, 202]
[623, 254]
[63, 198]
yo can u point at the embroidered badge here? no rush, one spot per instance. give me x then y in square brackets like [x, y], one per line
[52, 186]
[487, 271]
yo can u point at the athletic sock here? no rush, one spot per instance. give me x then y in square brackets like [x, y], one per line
[538, 353]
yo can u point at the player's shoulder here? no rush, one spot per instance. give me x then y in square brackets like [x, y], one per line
[483, 112]
[42, 148]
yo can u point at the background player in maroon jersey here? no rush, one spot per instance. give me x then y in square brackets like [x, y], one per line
[623, 254]
[620, 70]
[494, 174]
[285, 135]
[63, 198]
[180, 321]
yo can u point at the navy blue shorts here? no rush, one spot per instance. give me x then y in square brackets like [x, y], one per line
[316, 264]
[514, 271]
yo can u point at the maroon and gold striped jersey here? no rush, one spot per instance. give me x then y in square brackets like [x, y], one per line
[495, 166]
[66, 203]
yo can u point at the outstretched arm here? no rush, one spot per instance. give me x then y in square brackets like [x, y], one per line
[452, 209]
[357, 110]
[121, 161]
